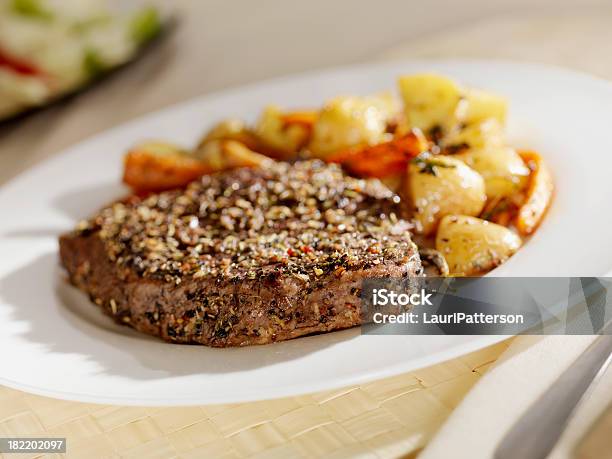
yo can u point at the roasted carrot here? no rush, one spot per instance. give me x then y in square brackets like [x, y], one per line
[502, 218]
[538, 196]
[382, 160]
[158, 167]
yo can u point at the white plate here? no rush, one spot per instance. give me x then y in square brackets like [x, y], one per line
[53, 342]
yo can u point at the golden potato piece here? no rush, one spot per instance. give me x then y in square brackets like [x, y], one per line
[503, 170]
[476, 136]
[441, 185]
[231, 129]
[220, 155]
[483, 105]
[473, 246]
[431, 101]
[347, 122]
[280, 138]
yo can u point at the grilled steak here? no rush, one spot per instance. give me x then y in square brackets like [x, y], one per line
[248, 256]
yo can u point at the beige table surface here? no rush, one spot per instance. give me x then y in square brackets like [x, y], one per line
[385, 419]
[390, 418]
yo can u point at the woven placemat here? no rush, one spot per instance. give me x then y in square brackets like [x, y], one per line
[393, 417]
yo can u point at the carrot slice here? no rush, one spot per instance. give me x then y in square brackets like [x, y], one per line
[147, 169]
[503, 218]
[539, 194]
[382, 160]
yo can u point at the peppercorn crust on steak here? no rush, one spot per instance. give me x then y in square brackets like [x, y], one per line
[249, 256]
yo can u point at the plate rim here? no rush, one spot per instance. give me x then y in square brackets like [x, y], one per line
[224, 92]
[441, 357]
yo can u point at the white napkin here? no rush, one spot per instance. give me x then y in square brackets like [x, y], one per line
[531, 364]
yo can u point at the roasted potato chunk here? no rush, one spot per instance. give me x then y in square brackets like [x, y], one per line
[232, 129]
[476, 136]
[431, 102]
[473, 246]
[441, 185]
[482, 146]
[503, 170]
[306, 118]
[220, 155]
[483, 105]
[347, 122]
[281, 139]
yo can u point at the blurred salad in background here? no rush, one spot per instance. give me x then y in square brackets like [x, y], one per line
[49, 48]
